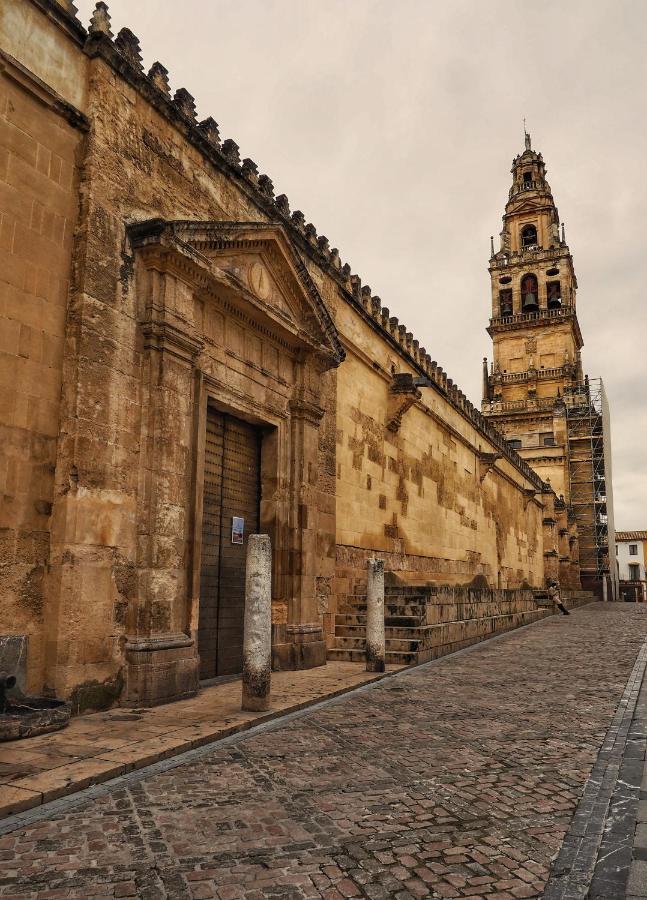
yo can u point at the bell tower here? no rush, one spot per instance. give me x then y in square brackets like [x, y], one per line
[535, 391]
[534, 329]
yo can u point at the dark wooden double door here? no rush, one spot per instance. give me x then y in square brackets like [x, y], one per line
[231, 491]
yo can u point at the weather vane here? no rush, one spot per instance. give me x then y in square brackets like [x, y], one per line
[526, 136]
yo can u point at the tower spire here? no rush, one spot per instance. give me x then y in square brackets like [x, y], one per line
[526, 135]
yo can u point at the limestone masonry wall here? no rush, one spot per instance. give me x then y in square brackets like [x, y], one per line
[105, 383]
[40, 149]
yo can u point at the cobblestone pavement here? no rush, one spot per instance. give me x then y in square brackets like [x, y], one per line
[456, 779]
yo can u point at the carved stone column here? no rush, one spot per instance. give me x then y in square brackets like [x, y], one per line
[161, 658]
[304, 645]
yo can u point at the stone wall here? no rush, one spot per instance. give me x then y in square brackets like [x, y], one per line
[424, 495]
[163, 317]
[426, 621]
[41, 141]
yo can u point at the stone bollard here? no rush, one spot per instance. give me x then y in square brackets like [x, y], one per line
[375, 640]
[257, 640]
[604, 589]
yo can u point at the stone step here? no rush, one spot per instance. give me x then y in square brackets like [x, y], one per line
[389, 621]
[359, 643]
[391, 634]
[391, 609]
[349, 643]
[392, 659]
[394, 593]
[398, 646]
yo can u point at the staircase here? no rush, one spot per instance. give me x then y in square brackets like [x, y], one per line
[404, 620]
[423, 623]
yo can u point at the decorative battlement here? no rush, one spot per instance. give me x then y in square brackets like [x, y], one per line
[123, 54]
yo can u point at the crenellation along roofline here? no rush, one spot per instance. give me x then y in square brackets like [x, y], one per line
[123, 55]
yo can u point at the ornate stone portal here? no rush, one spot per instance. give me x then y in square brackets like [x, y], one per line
[227, 316]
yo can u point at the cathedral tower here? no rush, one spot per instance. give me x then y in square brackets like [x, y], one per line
[535, 391]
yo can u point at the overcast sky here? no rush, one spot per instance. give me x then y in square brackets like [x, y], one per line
[393, 125]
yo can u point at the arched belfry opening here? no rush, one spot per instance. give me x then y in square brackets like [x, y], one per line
[528, 236]
[554, 294]
[529, 294]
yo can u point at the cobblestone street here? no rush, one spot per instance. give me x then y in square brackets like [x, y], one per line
[456, 779]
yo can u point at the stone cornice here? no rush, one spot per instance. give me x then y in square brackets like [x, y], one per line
[64, 15]
[41, 91]
[160, 335]
[224, 156]
[191, 241]
[541, 318]
[301, 408]
[123, 56]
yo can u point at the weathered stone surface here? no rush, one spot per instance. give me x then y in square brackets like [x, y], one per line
[29, 716]
[175, 291]
[257, 645]
[375, 638]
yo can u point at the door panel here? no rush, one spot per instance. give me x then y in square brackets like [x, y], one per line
[231, 488]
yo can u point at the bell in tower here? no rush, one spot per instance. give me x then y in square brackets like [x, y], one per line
[529, 294]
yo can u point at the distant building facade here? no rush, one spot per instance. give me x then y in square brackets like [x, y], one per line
[631, 556]
[535, 390]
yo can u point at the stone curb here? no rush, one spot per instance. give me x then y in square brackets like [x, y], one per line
[595, 855]
[102, 770]
[107, 775]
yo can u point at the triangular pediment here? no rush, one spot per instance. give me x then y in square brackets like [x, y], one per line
[255, 264]
[525, 207]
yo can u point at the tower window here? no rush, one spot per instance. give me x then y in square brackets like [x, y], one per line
[527, 179]
[554, 294]
[553, 271]
[529, 302]
[515, 444]
[528, 236]
[505, 302]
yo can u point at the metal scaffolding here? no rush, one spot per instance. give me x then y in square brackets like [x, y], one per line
[591, 497]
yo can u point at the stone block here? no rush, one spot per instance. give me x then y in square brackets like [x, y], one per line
[156, 673]
[637, 883]
[16, 799]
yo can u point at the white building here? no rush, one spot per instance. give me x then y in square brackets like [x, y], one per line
[631, 553]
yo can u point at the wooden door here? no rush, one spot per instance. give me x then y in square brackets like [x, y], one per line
[231, 492]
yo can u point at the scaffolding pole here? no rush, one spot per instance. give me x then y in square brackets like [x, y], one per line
[591, 497]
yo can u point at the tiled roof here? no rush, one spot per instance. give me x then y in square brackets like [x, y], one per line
[631, 536]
